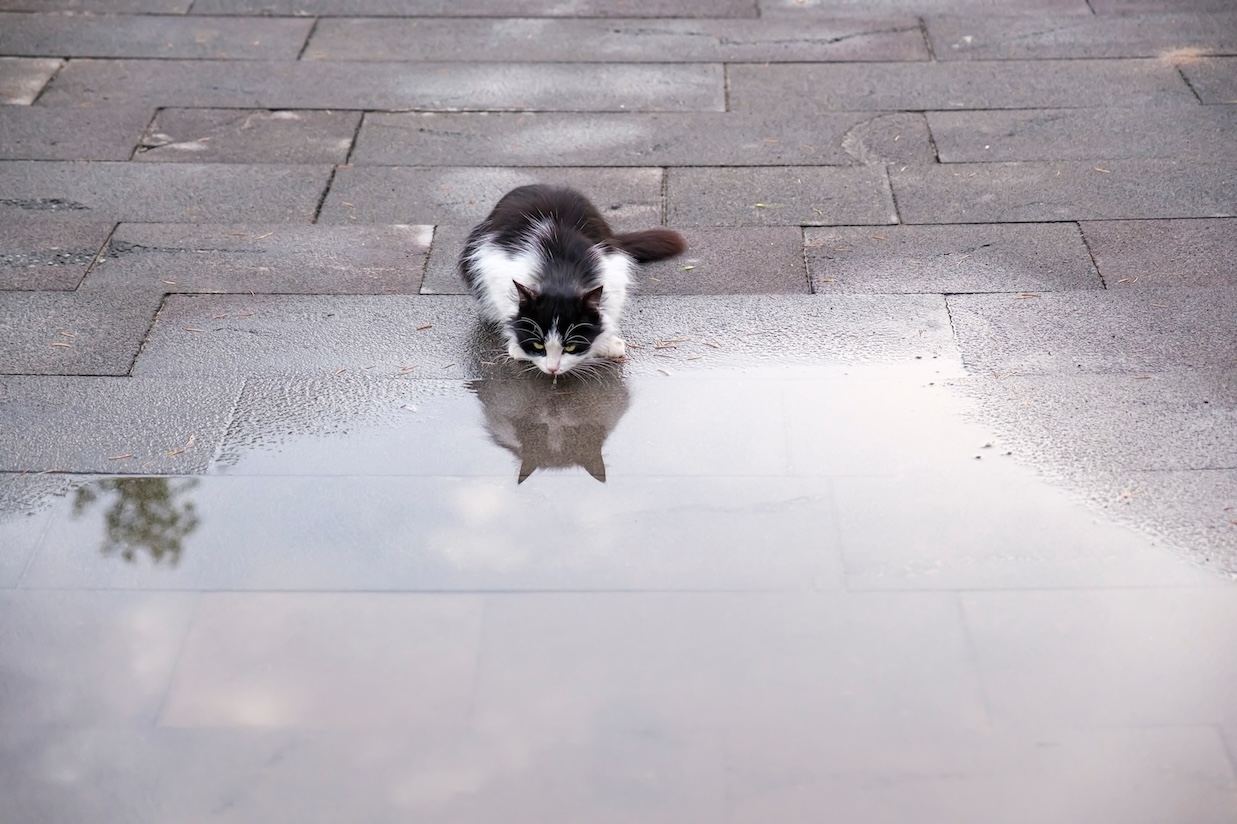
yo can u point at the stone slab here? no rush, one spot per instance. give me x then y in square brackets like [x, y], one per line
[809, 11]
[22, 523]
[1214, 79]
[314, 84]
[1138, 332]
[1007, 84]
[71, 333]
[152, 36]
[1153, 6]
[631, 40]
[638, 139]
[152, 425]
[148, 192]
[778, 196]
[1067, 190]
[267, 259]
[482, 8]
[100, 6]
[22, 78]
[949, 259]
[45, 252]
[732, 261]
[629, 199]
[1171, 37]
[1141, 253]
[87, 133]
[248, 136]
[1203, 133]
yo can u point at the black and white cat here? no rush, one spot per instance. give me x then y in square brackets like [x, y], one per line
[548, 270]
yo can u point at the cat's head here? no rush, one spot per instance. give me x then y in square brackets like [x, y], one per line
[556, 331]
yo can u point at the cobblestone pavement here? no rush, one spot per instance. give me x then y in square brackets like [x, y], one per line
[916, 499]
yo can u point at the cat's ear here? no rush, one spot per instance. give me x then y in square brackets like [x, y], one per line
[592, 298]
[527, 467]
[526, 294]
[595, 465]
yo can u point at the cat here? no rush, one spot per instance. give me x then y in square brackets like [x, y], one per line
[546, 268]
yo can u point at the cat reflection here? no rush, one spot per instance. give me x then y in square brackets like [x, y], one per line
[548, 426]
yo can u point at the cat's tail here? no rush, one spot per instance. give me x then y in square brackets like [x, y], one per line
[651, 244]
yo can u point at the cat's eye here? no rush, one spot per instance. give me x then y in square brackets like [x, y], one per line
[538, 346]
[571, 347]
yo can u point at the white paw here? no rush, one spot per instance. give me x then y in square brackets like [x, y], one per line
[615, 347]
[516, 352]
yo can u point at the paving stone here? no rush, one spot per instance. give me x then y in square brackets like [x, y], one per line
[22, 523]
[585, 40]
[778, 196]
[442, 276]
[70, 333]
[1202, 132]
[140, 35]
[1067, 190]
[100, 6]
[482, 8]
[48, 252]
[165, 424]
[949, 259]
[1006, 84]
[1141, 253]
[87, 133]
[630, 199]
[268, 259]
[147, 192]
[1145, 331]
[315, 84]
[1140, 6]
[247, 136]
[811, 10]
[638, 139]
[1214, 79]
[1168, 36]
[763, 260]
[22, 78]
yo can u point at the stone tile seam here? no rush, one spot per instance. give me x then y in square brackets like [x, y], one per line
[137, 147]
[50, 80]
[927, 39]
[1095, 266]
[1185, 79]
[169, 685]
[326, 190]
[309, 35]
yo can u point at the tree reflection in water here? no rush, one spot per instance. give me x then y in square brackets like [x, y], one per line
[148, 515]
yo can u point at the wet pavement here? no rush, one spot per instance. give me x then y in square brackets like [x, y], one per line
[913, 502]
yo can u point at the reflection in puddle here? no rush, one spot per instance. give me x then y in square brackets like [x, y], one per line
[150, 515]
[557, 427]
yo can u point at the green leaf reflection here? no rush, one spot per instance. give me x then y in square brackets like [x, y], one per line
[150, 515]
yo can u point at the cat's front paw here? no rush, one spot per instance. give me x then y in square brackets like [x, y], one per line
[516, 352]
[615, 347]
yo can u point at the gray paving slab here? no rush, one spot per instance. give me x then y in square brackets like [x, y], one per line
[630, 199]
[442, 275]
[48, 252]
[23, 521]
[483, 8]
[267, 259]
[100, 6]
[1168, 36]
[1203, 133]
[22, 78]
[1141, 6]
[174, 192]
[248, 136]
[315, 84]
[71, 333]
[639, 139]
[731, 261]
[1214, 79]
[949, 259]
[153, 425]
[1006, 84]
[778, 196]
[379, 336]
[810, 10]
[1139, 332]
[152, 36]
[1140, 253]
[638, 40]
[1066, 190]
[87, 133]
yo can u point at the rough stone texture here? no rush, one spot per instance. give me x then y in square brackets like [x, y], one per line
[151, 36]
[271, 259]
[47, 252]
[462, 196]
[778, 196]
[442, 275]
[1214, 79]
[640, 41]
[1009, 84]
[1069, 190]
[105, 133]
[246, 136]
[99, 6]
[313, 84]
[765, 260]
[147, 192]
[22, 78]
[1153, 6]
[59, 333]
[637, 139]
[809, 11]
[1141, 332]
[949, 259]
[483, 8]
[85, 424]
[1140, 253]
[1173, 37]
[1202, 133]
